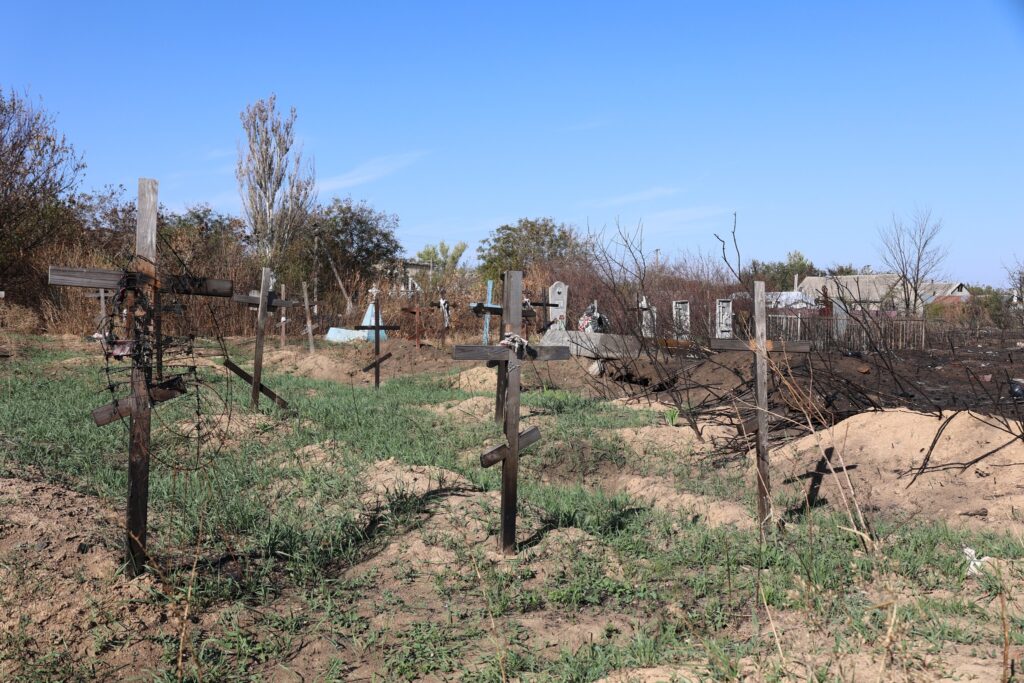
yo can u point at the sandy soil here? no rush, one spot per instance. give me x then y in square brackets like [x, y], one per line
[60, 586]
[974, 475]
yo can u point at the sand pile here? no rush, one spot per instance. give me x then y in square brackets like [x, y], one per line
[478, 380]
[973, 476]
[60, 588]
[452, 536]
[471, 409]
[662, 494]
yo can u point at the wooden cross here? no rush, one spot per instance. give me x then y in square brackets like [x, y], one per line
[265, 302]
[140, 290]
[761, 347]
[509, 356]
[309, 319]
[377, 328]
[414, 311]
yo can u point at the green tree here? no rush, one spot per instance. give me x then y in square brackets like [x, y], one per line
[350, 242]
[528, 242]
[778, 275]
[445, 258]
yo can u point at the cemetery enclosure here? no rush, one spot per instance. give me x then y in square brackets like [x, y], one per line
[728, 504]
[614, 505]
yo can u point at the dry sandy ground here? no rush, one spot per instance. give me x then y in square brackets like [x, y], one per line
[60, 590]
[973, 476]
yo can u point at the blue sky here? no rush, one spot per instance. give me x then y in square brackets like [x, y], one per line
[815, 121]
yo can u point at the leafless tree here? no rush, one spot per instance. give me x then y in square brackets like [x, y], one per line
[278, 190]
[912, 250]
[39, 170]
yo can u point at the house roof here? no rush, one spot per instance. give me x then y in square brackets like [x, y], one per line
[875, 288]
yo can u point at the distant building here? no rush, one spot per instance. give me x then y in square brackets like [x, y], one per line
[878, 292]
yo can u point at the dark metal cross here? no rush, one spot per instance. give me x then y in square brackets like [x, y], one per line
[509, 356]
[377, 328]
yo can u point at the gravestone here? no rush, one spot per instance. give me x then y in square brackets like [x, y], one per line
[558, 297]
[681, 318]
[723, 319]
[648, 319]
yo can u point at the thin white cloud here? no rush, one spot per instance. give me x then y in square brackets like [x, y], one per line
[369, 171]
[639, 196]
[219, 153]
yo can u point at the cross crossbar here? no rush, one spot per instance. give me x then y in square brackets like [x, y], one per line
[377, 361]
[500, 452]
[479, 308]
[101, 278]
[272, 302]
[164, 391]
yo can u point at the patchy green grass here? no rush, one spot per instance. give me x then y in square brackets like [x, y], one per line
[273, 527]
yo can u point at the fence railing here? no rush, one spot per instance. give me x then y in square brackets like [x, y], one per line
[868, 332]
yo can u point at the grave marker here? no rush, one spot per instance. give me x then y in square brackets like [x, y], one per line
[377, 329]
[723, 319]
[139, 290]
[648, 319]
[509, 355]
[265, 301]
[761, 348]
[558, 296]
[681, 319]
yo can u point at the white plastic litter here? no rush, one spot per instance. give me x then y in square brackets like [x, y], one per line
[974, 562]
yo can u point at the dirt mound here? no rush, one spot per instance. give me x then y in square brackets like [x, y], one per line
[657, 440]
[61, 592]
[449, 537]
[480, 380]
[972, 476]
[662, 494]
[471, 409]
[655, 674]
[230, 430]
[387, 479]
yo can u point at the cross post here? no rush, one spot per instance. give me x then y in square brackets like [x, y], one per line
[377, 329]
[138, 291]
[265, 302]
[761, 347]
[509, 355]
[309, 320]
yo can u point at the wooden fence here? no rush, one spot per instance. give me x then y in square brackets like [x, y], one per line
[868, 332]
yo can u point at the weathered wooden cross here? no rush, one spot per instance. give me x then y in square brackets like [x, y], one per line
[509, 355]
[377, 329]
[138, 291]
[266, 301]
[761, 347]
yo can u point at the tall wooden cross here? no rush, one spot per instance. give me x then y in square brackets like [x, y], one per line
[509, 355]
[377, 329]
[761, 347]
[266, 301]
[138, 291]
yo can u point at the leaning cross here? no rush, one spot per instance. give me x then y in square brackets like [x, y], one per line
[139, 291]
[377, 329]
[761, 348]
[509, 356]
[266, 301]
